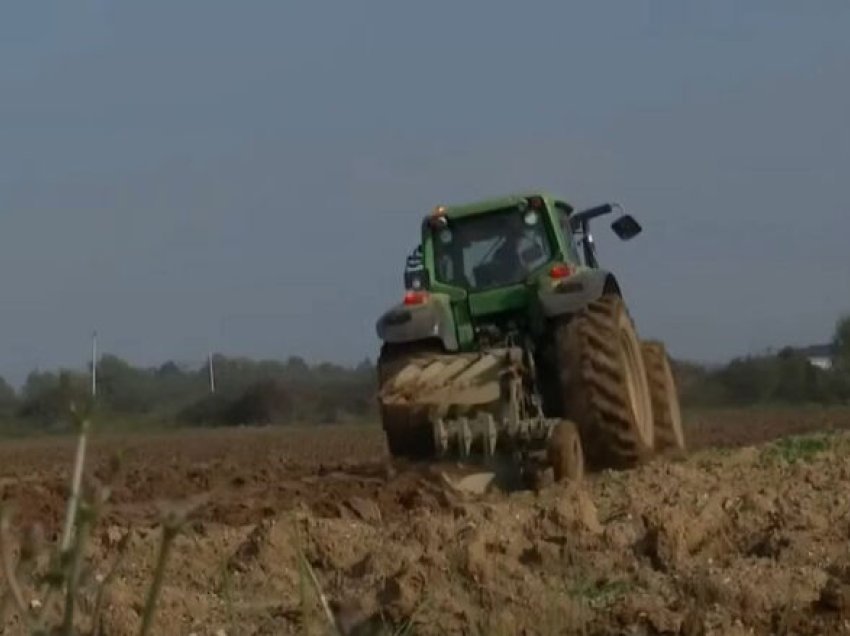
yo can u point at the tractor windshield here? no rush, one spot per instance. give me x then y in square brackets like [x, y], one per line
[491, 250]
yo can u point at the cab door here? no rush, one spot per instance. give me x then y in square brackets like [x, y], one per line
[566, 238]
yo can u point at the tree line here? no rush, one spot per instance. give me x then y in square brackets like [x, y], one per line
[246, 392]
[292, 391]
[785, 377]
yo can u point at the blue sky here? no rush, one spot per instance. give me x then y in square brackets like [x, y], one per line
[248, 177]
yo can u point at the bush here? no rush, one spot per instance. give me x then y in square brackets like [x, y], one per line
[841, 344]
[46, 396]
[787, 377]
[9, 402]
[266, 402]
[208, 411]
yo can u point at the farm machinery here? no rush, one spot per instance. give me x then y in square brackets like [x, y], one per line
[514, 350]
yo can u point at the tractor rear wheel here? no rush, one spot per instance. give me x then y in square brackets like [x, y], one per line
[669, 433]
[603, 384]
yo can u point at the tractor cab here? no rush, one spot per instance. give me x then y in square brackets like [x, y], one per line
[484, 265]
[495, 249]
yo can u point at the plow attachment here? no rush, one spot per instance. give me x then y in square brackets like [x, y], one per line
[457, 384]
[471, 408]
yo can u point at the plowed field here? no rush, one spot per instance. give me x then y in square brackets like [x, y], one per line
[747, 535]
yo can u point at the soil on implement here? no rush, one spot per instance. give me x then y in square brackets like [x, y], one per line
[749, 540]
[408, 430]
[420, 385]
[436, 405]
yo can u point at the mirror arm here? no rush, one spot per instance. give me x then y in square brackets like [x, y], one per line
[589, 251]
[580, 219]
[587, 246]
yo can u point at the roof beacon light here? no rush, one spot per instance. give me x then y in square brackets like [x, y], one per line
[536, 203]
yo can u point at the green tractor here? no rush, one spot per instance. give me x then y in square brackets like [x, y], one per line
[512, 346]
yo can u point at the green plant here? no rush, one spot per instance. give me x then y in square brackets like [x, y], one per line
[226, 592]
[796, 448]
[307, 579]
[598, 593]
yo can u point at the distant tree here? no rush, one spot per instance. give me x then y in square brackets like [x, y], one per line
[9, 401]
[169, 370]
[266, 402]
[365, 366]
[173, 387]
[247, 391]
[125, 388]
[296, 368]
[47, 397]
[798, 380]
[210, 410]
[841, 342]
[38, 382]
[748, 380]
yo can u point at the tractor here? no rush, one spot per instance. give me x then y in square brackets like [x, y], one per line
[512, 346]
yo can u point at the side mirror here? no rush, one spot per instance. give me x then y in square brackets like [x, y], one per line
[626, 227]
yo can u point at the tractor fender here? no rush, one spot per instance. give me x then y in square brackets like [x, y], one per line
[430, 320]
[574, 293]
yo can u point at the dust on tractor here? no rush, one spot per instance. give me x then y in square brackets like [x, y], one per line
[513, 349]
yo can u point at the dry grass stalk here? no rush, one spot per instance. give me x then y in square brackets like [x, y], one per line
[62, 587]
[83, 424]
[8, 566]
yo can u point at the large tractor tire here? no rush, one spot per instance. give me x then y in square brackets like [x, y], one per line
[603, 385]
[407, 429]
[669, 433]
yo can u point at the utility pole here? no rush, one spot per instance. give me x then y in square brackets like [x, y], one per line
[94, 364]
[212, 373]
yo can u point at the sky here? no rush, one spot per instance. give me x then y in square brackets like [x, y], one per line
[248, 177]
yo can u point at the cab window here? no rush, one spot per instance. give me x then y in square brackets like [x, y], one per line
[562, 211]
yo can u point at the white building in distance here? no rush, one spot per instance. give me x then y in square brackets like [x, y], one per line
[820, 356]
